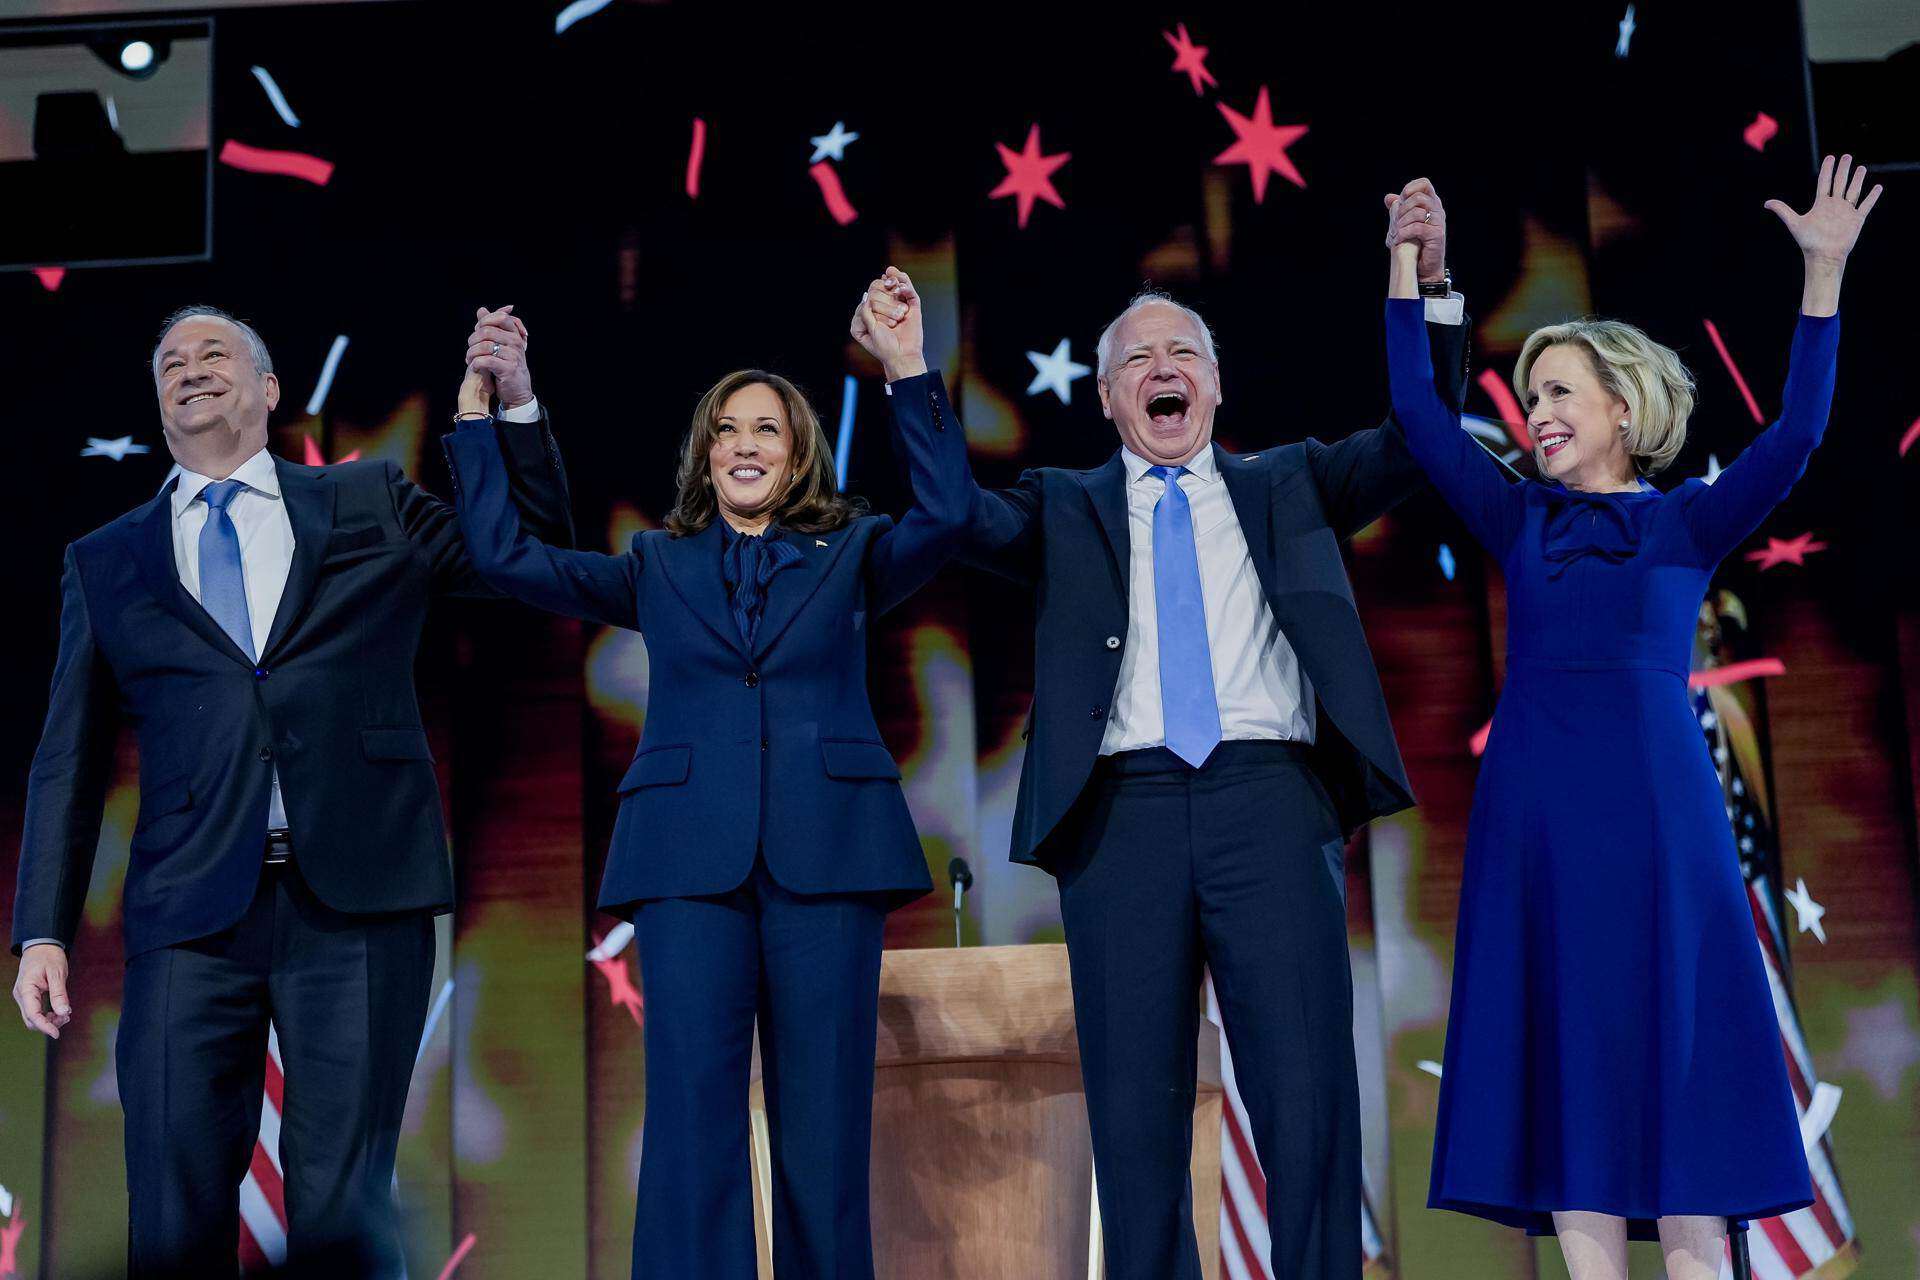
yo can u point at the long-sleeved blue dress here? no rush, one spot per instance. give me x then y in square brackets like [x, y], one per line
[1612, 1045]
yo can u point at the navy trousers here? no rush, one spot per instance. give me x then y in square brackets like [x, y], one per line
[808, 967]
[348, 996]
[1235, 866]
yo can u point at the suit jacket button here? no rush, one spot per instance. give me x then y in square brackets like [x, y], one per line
[261, 673]
[753, 680]
[266, 753]
[1113, 642]
[1098, 712]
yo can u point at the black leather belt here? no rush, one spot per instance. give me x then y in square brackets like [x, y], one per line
[279, 846]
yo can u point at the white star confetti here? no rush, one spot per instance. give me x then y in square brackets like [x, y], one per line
[117, 449]
[1056, 372]
[1626, 34]
[832, 145]
[1807, 910]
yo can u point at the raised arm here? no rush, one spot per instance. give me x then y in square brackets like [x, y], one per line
[66, 789]
[1720, 516]
[887, 323]
[1466, 477]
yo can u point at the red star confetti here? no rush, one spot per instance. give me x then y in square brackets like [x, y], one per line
[1509, 408]
[312, 456]
[620, 988]
[291, 164]
[828, 180]
[1726, 358]
[695, 154]
[1029, 175]
[1761, 131]
[50, 277]
[1190, 58]
[459, 1256]
[1906, 441]
[1786, 551]
[1262, 145]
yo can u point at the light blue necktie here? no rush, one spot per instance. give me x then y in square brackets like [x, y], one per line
[1187, 705]
[223, 582]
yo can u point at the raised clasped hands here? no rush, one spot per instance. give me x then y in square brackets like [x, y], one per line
[1416, 216]
[496, 362]
[887, 324]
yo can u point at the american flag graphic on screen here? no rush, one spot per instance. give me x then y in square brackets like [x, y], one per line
[263, 1197]
[1817, 1241]
[1244, 1243]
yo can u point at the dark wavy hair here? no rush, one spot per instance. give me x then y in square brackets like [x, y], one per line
[813, 502]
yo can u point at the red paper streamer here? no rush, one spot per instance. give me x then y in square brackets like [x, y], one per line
[459, 1256]
[828, 180]
[695, 155]
[291, 164]
[1726, 358]
[50, 278]
[1732, 673]
[1761, 131]
[1509, 408]
[1906, 441]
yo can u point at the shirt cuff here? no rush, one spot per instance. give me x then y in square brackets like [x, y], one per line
[530, 411]
[34, 942]
[1451, 309]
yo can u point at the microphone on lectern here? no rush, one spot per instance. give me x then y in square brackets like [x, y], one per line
[960, 875]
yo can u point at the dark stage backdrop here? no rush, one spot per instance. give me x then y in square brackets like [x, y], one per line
[644, 187]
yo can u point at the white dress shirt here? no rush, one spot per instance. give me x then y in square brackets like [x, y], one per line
[266, 554]
[1257, 681]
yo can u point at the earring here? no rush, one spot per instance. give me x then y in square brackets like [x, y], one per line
[1624, 426]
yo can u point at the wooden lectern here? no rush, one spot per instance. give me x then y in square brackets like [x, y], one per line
[982, 1168]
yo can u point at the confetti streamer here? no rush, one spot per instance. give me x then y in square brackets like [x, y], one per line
[828, 181]
[319, 396]
[1447, 565]
[277, 98]
[1726, 358]
[466, 1246]
[1511, 416]
[291, 164]
[113, 114]
[1761, 131]
[574, 12]
[50, 278]
[1478, 742]
[695, 155]
[616, 941]
[1906, 441]
[1429, 1066]
[6, 1203]
[1625, 42]
[843, 449]
[1735, 672]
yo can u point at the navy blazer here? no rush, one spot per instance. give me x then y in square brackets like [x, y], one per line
[331, 702]
[1064, 534]
[769, 750]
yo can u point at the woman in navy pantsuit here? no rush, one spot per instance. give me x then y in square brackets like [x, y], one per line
[762, 835]
[1613, 1063]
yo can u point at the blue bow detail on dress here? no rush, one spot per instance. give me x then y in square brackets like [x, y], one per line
[1587, 524]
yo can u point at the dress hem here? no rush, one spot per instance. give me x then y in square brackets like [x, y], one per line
[1642, 1224]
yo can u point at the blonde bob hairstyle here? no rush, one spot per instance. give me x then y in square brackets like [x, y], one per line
[1648, 377]
[812, 503]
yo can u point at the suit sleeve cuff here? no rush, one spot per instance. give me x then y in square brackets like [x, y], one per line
[1451, 309]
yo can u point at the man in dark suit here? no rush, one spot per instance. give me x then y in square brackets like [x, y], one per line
[255, 624]
[1207, 727]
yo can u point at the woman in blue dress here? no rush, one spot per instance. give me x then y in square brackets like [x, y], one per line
[1613, 1064]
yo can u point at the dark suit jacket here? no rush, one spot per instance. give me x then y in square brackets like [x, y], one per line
[1064, 533]
[331, 702]
[770, 749]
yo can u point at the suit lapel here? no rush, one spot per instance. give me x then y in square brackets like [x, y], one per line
[1107, 489]
[152, 535]
[1251, 489]
[692, 566]
[309, 498]
[791, 588]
